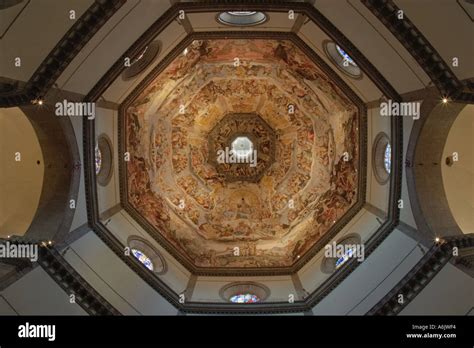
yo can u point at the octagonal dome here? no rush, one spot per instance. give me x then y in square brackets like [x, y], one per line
[237, 216]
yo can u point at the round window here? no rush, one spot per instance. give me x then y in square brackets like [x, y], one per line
[341, 59]
[143, 258]
[147, 254]
[241, 18]
[245, 298]
[103, 160]
[382, 158]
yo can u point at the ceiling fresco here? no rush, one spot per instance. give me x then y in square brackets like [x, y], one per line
[301, 127]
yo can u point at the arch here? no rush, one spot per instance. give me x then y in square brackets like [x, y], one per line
[428, 137]
[458, 174]
[21, 174]
[62, 172]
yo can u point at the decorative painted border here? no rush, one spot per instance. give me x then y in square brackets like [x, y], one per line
[260, 308]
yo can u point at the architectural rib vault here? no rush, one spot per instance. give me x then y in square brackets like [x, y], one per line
[220, 216]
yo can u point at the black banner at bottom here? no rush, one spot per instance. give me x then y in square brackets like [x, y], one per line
[291, 330]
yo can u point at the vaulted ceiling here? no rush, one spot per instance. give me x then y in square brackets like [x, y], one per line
[306, 136]
[194, 87]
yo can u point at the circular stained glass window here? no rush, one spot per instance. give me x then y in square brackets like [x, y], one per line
[343, 259]
[341, 59]
[387, 158]
[98, 159]
[345, 56]
[241, 18]
[145, 260]
[382, 158]
[244, 298]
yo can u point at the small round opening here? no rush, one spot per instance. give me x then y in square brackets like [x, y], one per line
[242, 147]
[342, 59]
[242, 18]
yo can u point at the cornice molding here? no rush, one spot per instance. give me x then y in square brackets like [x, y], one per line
[421, 275]
[63, 53]
[421, 50]
[73, 283]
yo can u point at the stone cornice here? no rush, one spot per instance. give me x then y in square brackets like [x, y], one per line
[73, 283]
[62, 54]
[421, 50]
[420, 275]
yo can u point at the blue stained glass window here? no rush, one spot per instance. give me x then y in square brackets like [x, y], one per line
[145, 260]
[387, 158]
[98, 160]
[244, 298]
[343, 259]
[345, 56]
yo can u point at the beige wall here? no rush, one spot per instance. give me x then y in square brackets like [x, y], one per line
[20, 181]
[458, 180]
[449, 293]
[37, 294]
